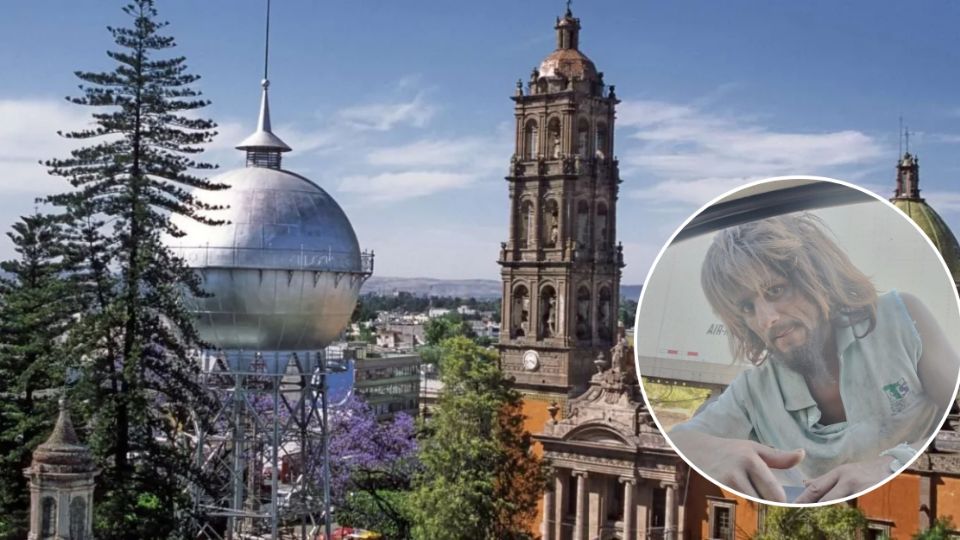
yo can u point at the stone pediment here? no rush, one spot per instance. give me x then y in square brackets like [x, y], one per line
[611, 411]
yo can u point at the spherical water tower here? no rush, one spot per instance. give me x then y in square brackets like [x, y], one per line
[284, 275]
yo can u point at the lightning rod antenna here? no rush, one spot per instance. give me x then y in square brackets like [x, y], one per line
[900, 137]
[266, 45]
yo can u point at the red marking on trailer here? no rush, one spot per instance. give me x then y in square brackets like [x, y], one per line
[672, 351]
[693, 353]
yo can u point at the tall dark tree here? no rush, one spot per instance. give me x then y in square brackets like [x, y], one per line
[35, 308]
[134, 333]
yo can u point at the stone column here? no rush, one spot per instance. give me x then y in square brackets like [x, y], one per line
[548, 527]
[580, 520]
[669, 518]
[629, 530]
[562, 484]
[642, 508]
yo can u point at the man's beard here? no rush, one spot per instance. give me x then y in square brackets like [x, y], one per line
[808, 359]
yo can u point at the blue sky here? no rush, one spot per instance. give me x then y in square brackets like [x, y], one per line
[401, 110]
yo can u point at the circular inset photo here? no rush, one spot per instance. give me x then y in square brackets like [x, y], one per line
[796, 341]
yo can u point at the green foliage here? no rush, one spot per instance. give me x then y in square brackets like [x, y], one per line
[366, 335]
[375, 511]
[133, 334]
[675, 396]
[478, 471]
[445, 327]
[835, 522]
[362, 312]
[430, 354]
[34, 312]
[941, 530]
[628, 312]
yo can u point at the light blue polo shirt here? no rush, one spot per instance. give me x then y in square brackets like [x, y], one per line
[884, 401]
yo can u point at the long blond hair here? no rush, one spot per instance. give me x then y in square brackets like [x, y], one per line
[796, 247]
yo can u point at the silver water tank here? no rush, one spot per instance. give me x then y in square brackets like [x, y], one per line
[285, 273]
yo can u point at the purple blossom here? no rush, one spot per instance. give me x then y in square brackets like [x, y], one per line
[365, 454]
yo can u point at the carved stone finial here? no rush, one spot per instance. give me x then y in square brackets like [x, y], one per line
[600, 362]
[553, 409]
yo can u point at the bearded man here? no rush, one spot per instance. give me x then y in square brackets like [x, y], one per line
[846, 385]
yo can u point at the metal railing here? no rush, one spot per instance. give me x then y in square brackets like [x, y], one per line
[279, 259]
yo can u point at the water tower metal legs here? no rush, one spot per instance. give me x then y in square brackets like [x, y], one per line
[266, 416]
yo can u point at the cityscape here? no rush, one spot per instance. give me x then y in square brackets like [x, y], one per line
[252, 318]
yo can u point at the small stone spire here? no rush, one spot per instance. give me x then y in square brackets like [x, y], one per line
[61, 479]
[908, 177]
[62, 450]
[568, 31]
[263, 147]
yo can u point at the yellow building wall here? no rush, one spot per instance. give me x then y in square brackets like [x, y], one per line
[535, 418]
[896, 502]
[948, 499]
[696, 519]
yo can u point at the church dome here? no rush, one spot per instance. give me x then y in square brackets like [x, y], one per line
[936, 230]
[907, 198]
[569, 64]
[567, 61]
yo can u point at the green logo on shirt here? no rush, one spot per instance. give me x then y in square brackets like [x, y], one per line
[895, 393]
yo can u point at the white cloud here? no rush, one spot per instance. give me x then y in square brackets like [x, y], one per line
[394, 187]
[473, 153]
[386, 116]
[693, 155]
[453, 251]
[28, 134]
[948, 138]
[943, 201]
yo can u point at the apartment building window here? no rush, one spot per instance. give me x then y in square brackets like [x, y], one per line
[722, 518]
[877, 530]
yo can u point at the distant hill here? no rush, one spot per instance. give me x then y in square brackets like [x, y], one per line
[630, 292]
[464, 288]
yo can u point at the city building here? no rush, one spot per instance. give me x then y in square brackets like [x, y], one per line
[389, 383]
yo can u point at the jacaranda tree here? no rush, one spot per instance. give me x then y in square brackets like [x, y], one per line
[372, 465]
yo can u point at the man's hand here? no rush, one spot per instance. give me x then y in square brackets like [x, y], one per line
[742, 465]
[846, 480]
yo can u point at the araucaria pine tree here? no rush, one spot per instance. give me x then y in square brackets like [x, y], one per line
[35, 309]
[132, 339]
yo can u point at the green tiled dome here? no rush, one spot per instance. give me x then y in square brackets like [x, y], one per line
[907, 198]
[936, 229]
